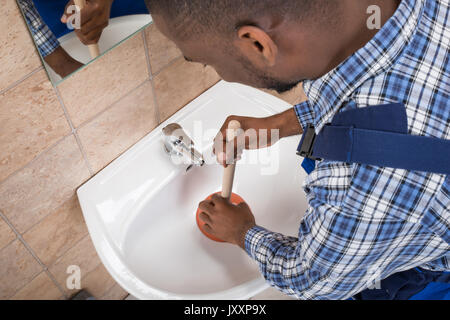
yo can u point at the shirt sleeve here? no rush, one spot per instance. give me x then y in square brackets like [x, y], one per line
[338, 253]
[280, 260]
[305, 113]
[44, 38]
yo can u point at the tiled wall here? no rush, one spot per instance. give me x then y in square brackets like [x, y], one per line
[54, 139]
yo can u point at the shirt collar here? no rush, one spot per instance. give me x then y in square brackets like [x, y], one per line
[327, 94]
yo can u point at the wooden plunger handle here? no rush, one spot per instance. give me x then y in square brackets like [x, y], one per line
[93, 48]
[228, 173]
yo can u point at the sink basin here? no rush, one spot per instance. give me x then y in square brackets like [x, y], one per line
[140, 210]
[119, 29]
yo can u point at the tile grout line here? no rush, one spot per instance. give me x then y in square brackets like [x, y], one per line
[67, 296]
[63, 106]
[36, 158]
[84, 123]
[33, 254]
[50, 211]
[155, 101]
[83, 153]
[111, 288]
[147, 55]
[149, 67]
[21, 80]
[74, 131]
[52, 146]
[168, 65]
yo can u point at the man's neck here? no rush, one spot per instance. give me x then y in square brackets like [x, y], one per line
[356, 32]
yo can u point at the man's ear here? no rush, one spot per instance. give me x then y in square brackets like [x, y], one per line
[255, 43]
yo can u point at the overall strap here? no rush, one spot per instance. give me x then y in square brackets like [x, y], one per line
[376, 135]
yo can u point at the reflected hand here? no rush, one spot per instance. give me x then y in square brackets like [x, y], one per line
[94, 18]
[225, 220]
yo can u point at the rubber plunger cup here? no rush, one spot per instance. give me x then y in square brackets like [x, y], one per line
[227, 182]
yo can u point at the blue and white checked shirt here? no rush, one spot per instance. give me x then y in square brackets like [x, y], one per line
[365, 223]
[44, 38]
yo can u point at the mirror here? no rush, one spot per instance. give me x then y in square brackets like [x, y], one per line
[70, 34]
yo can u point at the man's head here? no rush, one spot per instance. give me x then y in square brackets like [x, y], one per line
[272, 44]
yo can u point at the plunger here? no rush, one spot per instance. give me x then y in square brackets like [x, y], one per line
[227, 182]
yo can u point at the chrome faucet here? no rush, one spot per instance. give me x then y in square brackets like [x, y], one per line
[180, 146]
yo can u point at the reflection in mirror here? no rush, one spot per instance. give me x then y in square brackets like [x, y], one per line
[68, 34]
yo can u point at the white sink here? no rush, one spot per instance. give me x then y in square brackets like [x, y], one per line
[119, 29]
[140, 210]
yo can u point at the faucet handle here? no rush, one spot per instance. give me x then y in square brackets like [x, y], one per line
[175, 131]
[178, 143]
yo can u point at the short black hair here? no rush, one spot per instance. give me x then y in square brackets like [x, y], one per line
[224, 16]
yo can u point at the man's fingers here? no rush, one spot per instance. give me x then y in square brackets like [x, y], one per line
[227, 152]
[205, 218]
[90, 38]
[217, 199]
[86, 14]
[206, 206]
[65, 13]
[94, 34]
[90, 25]
[244, 205]
[208, 229]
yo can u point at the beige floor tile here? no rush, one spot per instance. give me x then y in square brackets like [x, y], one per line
[40, 288]
[31, 120]
[6, 234]
[180, 83]
[83, 255]
[17, 268]
[115, 293]
[161, 50]
[57, 232]
[43, 186]
[105, 81]
[119, 127]
[18, 56]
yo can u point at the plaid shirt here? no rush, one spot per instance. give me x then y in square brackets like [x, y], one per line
[44, 38]
[365, 223]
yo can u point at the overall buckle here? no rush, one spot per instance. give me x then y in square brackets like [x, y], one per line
[305, 148]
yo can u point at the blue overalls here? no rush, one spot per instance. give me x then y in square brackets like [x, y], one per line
[378, 135]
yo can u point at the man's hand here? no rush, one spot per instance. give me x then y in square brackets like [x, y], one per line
[248, 138]
[94, 18]
[256, 133]
[226, 221]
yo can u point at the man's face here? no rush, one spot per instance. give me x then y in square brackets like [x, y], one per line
[222, 55]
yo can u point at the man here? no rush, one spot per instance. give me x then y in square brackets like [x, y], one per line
[364, 223]
[94, 18]
[48, 46]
